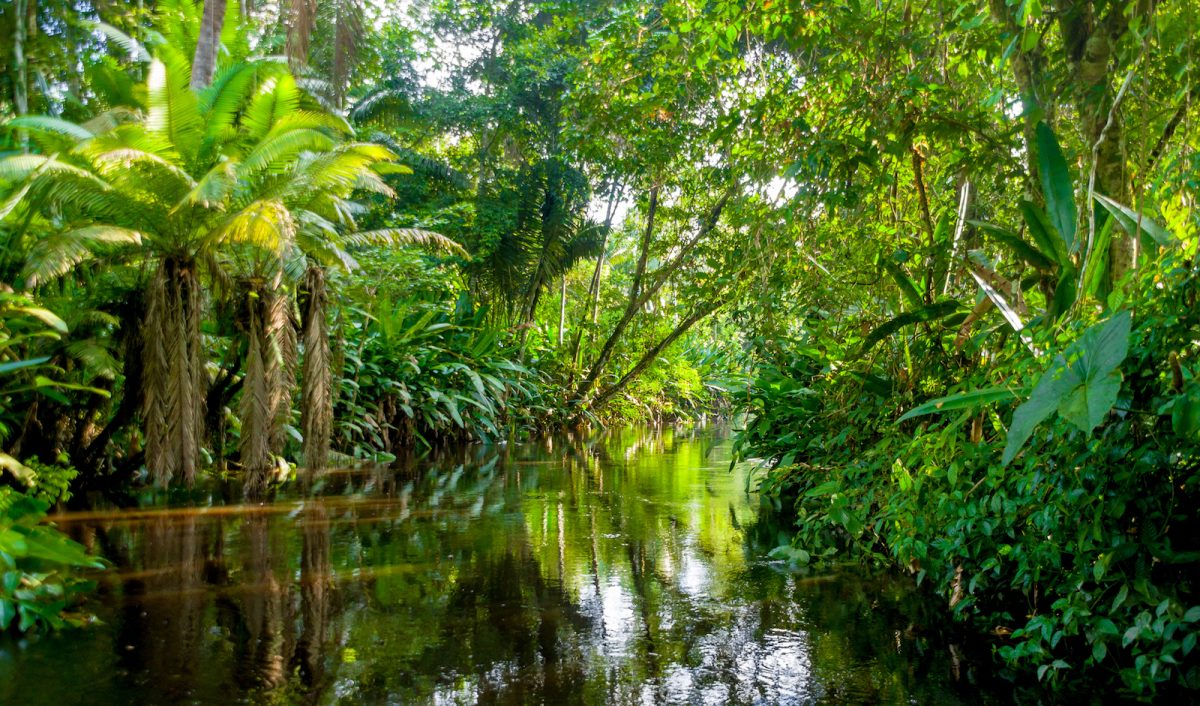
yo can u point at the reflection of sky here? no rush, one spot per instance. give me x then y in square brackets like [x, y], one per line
[619, 618]
[688, 566]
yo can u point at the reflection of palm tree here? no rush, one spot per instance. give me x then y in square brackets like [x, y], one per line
[163, 622]
[517, 619]
[316, 597]
[263, 609]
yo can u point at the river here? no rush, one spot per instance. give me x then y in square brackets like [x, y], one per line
[625, 568]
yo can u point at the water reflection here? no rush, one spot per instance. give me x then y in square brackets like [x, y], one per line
[622, 568]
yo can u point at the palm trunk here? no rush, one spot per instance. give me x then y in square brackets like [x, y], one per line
[266, 391]
[562, 311]
[204, 62]
[20, 79]
[254, 444]
[174, 372]
[317, 391]
[280, 349]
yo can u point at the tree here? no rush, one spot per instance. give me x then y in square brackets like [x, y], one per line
[246, 169]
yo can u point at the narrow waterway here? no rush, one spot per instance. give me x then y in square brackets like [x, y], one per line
[628, 568]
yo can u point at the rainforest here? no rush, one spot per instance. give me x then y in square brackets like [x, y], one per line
[599, 351]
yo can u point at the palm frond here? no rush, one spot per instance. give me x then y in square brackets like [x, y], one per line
[277, 97]
[115, 163]
[323, 247]
[265, 224]
[174, 111]
[58, 253]
[51, 133]
[133, 49]
[426, 239]
[384, 104]
[222, 101]
[213, 188]
[280, 150]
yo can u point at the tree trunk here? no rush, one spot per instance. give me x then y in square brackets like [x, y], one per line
[254, 445]
[20, 79]
[1090, 42]
[562, 311]
[631, 306]
[316, 420]
[204, 63]
[594, 287]
[639, 291]
[1027, 70]
[173, 394]
[651, 355]
[265, 407]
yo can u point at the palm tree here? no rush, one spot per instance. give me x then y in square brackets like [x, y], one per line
[247, 170]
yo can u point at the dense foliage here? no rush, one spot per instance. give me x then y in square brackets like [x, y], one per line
[952, 245]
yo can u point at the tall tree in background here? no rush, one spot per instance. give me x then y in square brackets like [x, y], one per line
[208, 43]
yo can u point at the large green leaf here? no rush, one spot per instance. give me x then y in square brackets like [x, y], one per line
[173, 109]
[932, 312]
[48, 125]
[1081, 384]
[1017, 244]
[1044, 233]
[1056, 185]
[904, 281]
[10, 366]
[962, 400]
[1132, 221]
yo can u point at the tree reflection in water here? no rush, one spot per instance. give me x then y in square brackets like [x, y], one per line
[621, 568]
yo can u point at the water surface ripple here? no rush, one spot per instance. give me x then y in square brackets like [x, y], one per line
[627, 568]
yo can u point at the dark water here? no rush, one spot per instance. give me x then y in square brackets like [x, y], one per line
[629, 568]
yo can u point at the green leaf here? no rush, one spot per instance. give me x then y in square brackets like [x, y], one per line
[49, 125]
[1121, 596]
[826, 488]
[1100, 351]
[932, 312]
[1081, 384]
[1044, 234]
[19, 364]
[1022, 249]
[1132, 221]
[1056, 186]
[904, 282]
[1096, 266]
[46, 543]
[1064, 293]
[48, 317]
[1193, 615]
[1130, 635]
[1185, 412]
[1107, 627]
[962, 400]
